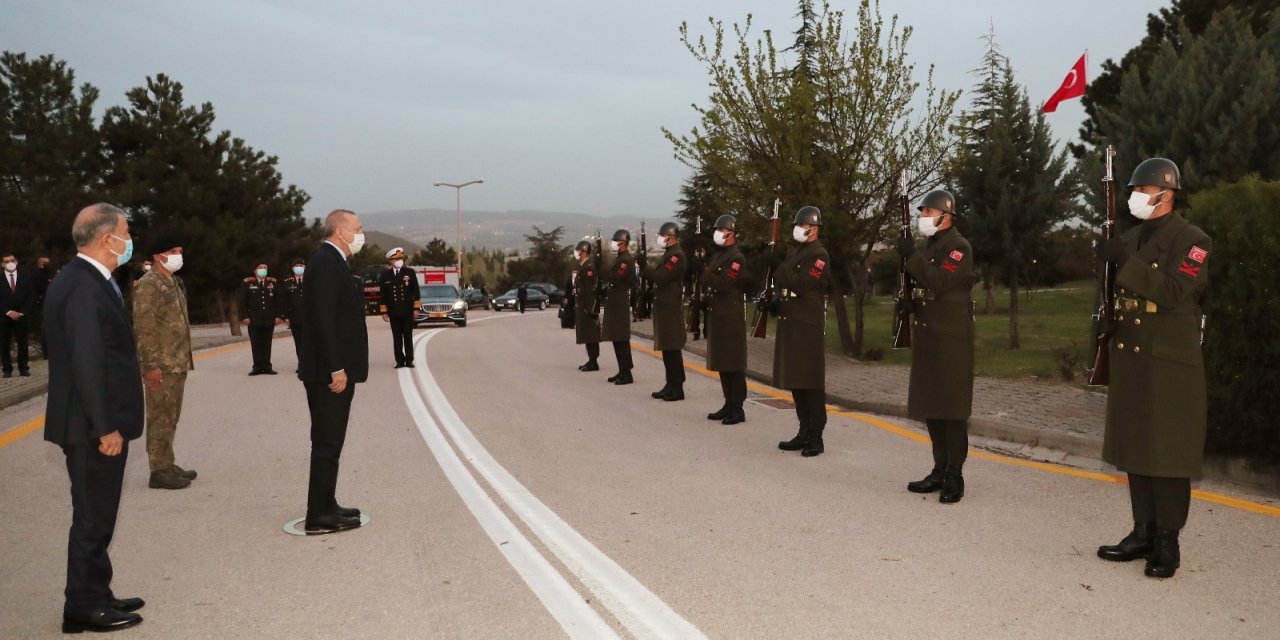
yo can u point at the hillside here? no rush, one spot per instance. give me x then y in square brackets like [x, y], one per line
[495, 230]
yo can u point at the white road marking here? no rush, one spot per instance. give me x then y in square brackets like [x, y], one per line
[559, 597]
[638, 609]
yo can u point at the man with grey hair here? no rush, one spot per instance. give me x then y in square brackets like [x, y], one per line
[335, 356]
[95, 407]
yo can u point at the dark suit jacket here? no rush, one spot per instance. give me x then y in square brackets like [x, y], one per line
[23, 300]
[95, 386]
[334, 304]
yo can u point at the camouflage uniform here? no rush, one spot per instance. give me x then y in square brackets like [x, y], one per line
[164, 342]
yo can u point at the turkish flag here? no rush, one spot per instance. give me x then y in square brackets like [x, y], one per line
[1072, 87]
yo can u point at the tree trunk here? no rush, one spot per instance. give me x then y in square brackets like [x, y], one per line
[850, 343]
[859, 313]
[1015, 340]
[989, 287]
[231, 307]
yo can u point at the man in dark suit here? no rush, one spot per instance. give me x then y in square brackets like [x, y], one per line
[17, 299]
[95, 407]
[522, 295]
[335, 356]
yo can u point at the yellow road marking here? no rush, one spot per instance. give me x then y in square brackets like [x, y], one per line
[1207, 496]
[17, 433]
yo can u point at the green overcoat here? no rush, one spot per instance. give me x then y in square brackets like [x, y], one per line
[942, 345]
[799, 350]
[668, 279]
[725, 317]
[617, 303]
[586, 322]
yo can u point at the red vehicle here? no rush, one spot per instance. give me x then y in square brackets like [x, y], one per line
[372, 292]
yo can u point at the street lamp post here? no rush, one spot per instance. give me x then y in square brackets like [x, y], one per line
[457, 189]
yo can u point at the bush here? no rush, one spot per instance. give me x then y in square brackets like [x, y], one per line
[1242, 340]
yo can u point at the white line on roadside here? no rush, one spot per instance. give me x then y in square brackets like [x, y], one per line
[636, 607]
[559, 597]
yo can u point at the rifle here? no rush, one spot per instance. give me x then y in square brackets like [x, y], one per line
[760, 322]
[694, 323]
[1104, 318]
[600, 290]
[902, 319]
[643, 307]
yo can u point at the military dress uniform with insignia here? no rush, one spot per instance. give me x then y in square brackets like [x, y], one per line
[942, 352]
[586, 322]
[726, 323]
[617, 306]
[799, 351]
[400, 297]
[1156, 404]
[163, 332]
[291, 307]
[668, 317]
[258, 306]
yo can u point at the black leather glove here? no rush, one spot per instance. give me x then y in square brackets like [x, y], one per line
[906, 304]
[773, 259]
[1113, 251]
[906, 247]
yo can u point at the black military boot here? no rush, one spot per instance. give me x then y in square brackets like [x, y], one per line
[589, 366]
[673, 393]
[657, 395]
[624, 378]
[614, 377]
[1136, 545]
[719, 414]
[189, 474]
[735, 417]
[952, 486]
[167, 479]
[1165, 556]
[813, 447]
[928, 484]
[797, 443]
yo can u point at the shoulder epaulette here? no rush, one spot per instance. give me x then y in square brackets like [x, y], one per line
[250, 279]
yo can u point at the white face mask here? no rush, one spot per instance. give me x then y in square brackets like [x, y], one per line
[613, 246]
[718, 237]
[357, 242]
[173, 262]
[297, 271]
[800, 234]
[660, 241]
[399, 264]
[10, 266]
[928, 226]
[1138, 204]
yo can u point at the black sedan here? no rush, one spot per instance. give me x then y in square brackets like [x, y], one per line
[441, 303]
[511, 300]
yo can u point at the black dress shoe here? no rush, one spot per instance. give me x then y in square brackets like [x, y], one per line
[126, 605]
[673, 394]
[928, 484]
[813, 448]
[660, 392]
[410, 365]
[347, 512]
[624, 379]
[255, 372]
[399, 365]
[1138, 544]
[25, 374]
[952, 487]
[590, 366]
[614, 377]
[735, 418]
[1165, 556]
[8, 374]
[269, 372]
[795, 444]
[330, 522]
[98, 620]
[720, 414]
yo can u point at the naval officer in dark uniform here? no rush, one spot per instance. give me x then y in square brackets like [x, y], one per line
[726, 320]
[1156, 406]
[942, 360]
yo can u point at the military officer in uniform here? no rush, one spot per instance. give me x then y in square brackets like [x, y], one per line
[617, 305]
[400, 299]
[290, 307]
[668, 321]
[941, 388]
[726, 321]
[799, 353]
[586, 322]
[1156, 406]
[258, 312]
[163, 332]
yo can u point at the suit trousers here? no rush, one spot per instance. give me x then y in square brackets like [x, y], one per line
[164, 407]
[15, 330]
[734, 386]
[402, 338]
[1164, 501]
[260, 340]
[950, 439]
[811, 409]
[622, 351]
[96, 481]
[299, 332]
[673, 363]
[329, 414]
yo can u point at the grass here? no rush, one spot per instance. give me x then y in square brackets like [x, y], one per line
[1055, 323]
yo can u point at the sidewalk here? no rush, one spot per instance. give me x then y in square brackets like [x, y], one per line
[18, 389]
[1040, 420]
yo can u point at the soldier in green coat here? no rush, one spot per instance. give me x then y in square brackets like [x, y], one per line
[586, 323]
[617, 305]
[726, 321]
[1156, 407]
[667, 276]
[164, 355]
[799, 351]
[941, 390]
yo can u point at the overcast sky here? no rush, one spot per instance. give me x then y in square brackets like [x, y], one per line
[557, 104]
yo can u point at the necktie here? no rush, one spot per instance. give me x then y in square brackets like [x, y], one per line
[116, 286]
[13, 282]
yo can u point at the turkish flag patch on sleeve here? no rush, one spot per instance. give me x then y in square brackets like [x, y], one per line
[957, 255]
[1189, 270]
[671, 264]
[734, 269]
[1197, 254]
[818, 266]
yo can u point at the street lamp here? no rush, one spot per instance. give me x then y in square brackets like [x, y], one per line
[457, 188]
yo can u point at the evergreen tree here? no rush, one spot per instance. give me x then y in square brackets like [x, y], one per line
[437, 253]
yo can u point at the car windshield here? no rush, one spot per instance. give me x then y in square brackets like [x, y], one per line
[439, 291]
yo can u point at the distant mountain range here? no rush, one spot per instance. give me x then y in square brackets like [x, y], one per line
[495, 230]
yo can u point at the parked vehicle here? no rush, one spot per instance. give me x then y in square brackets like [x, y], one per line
[555, 295]
[474, 298]
[441, 303]
[372, 291]
[511, 300]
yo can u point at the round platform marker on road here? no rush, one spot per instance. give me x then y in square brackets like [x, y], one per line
[295, 527]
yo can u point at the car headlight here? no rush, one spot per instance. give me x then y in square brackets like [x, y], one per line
[459, 304]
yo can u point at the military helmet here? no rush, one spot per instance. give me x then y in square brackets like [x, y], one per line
[583, 245]
[1158, 172]
[726, 221]
[622, 235]
[938, 199]
[808, 215]
[669, 229]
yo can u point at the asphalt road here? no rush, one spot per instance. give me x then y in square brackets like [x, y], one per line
[512, 496]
